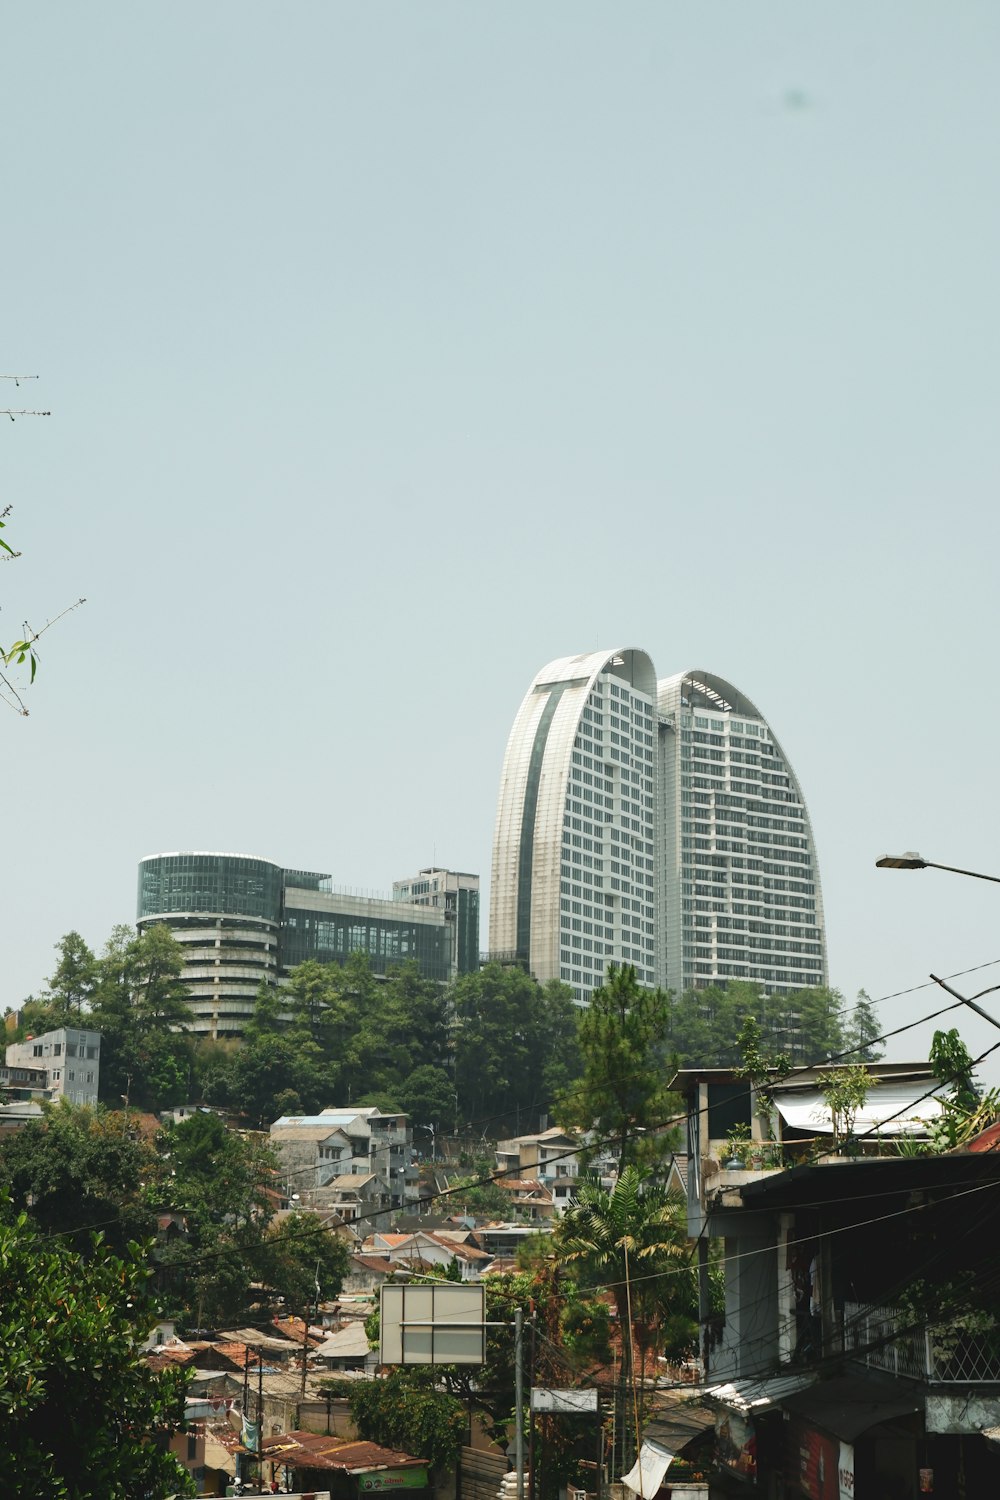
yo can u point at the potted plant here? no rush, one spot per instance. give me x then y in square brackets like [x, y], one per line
[738, 1150]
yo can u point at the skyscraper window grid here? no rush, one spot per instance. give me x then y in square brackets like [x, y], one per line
[741, 883]
[653, 824]
[574, 869]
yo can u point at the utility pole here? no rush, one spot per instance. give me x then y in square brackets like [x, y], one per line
[519, 1400]
[260, 1418]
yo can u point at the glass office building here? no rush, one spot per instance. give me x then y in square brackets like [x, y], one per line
[243, 921]
[657, 824]
[457, 894]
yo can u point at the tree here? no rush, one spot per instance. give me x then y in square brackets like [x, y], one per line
[79, 1169]
[844, 1093]
[305, 1262]
[514, 1043]
[953, 1066]
[705, 1023]
[633, 1241]
[141, 1007]
[863, 1033]
[623, 1093]
[83, 1415]
[428, 1096]
[72, 984]
[406, 1411]
[762, 1069]
[218, 1180]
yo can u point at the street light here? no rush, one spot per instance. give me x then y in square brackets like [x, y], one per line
[913, 861]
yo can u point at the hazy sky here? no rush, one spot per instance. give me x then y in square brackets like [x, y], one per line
[395, 349]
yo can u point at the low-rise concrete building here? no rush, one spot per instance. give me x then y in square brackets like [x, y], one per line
[71, 1057]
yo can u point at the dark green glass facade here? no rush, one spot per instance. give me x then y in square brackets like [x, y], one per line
[244, 921]
[223, 884]
[468, 932]
[332, 938]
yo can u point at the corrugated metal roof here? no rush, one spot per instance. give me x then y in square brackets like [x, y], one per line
[760, 1393]
[311, 1450]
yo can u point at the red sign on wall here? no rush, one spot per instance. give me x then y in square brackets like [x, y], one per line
[812, 1462]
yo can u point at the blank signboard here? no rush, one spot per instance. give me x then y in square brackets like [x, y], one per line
[441, 1324]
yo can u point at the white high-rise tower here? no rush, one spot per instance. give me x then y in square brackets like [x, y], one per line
[574, 855]
[655, 824]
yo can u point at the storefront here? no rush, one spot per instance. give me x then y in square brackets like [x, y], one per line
[350, 1470]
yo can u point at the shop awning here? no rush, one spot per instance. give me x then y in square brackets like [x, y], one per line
[649, 1470]
[750, 1397]
[890, 1108]
[848, 1406]
[678, 1422]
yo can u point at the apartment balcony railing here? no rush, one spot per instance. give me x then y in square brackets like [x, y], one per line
[964, 1350]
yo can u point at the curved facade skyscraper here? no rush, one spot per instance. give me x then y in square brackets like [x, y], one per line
[740, 878]
[652, 823]
[574, 851]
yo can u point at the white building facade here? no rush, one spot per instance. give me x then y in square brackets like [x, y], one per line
[71, 1057]
[739, 875]
[656, 824]
[574, 849]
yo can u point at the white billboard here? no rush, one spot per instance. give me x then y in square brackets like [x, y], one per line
[439, 1324]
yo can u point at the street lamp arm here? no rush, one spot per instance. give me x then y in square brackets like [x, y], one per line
[915, 862]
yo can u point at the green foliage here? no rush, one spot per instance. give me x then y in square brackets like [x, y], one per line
[218, 1180]
[705, 1024]
[474, 1196]
[407, 1412]
[515, 1044]
[862, 1032]
[337, 1032]
[953, 1066]
[429, 1098]
[763, 1069]
[633, 1242]
[141, 1007]
[304, 1262]
[82, 1412]
[80, 1169]
[622, 1093]
[844, 1092]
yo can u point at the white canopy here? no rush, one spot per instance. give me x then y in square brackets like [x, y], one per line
[890, 1109]
[649, 1470]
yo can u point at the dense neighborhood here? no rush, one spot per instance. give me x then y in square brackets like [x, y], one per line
[761, 1274]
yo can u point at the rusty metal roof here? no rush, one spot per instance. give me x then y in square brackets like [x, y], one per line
[311, 1450]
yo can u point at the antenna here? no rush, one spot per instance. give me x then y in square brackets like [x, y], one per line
[18, 378]
[24, 412]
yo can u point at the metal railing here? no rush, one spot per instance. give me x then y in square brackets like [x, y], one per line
[963, 1350]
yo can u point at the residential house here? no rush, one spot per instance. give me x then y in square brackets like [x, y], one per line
[375, 1141]
[360, 1199]
[860, 1343]
[424, 1249]
[71, 1057]
[529, 1199]
[367, 1273]
[347, 1349]
[310, 1155]
[549, 1157]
